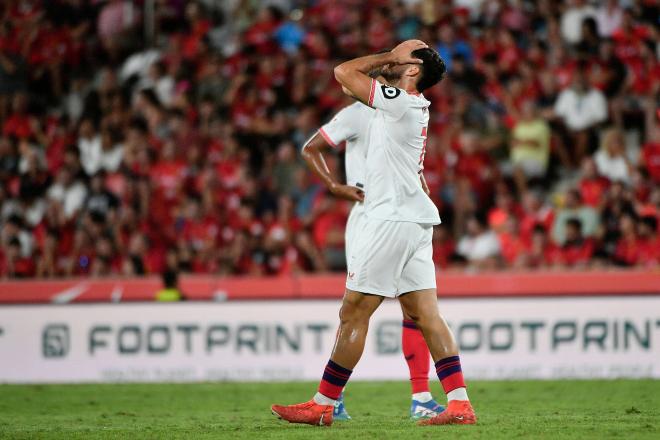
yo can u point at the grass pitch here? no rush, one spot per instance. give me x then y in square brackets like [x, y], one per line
[620, 409]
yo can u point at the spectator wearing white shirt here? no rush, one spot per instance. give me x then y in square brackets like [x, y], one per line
[89, 145]
[70, 193]
[572, 18]
[581, 108]
[158, 80]
[480, 246]
[112, 153]
[611, 160]
[609, 17]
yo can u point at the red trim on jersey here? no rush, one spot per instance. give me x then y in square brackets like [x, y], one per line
[327, 138]
[372, 93]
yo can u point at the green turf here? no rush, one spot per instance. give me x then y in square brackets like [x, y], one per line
[506, 410]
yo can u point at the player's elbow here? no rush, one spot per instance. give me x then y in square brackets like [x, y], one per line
[306, 152]
[311, 148]
[341, 73]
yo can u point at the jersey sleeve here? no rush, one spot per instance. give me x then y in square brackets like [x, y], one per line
[341, 127]
[390, 100]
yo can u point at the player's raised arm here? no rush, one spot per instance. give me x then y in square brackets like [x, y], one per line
[312, 153]
[353, 74]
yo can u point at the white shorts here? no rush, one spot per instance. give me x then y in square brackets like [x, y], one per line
[355, 218]
[388, 258]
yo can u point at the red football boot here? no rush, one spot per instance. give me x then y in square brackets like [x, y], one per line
[309, 412]
[458, 412]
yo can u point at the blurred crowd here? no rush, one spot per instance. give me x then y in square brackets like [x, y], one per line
[145, 136]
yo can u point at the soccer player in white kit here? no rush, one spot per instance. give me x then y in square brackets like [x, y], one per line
[392, 253]
[350, 127]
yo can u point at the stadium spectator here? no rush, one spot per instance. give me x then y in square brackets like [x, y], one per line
[530, 146]
[68, 191]
[480, 247]
[581, 108]
[573, 17]
[542, 252]
[592, 185]
[536, 212]
[574, 208]
[122, 155]
[611, 160]
[576, 250]
[609, 17]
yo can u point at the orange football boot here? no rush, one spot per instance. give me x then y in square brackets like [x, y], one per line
[309, 412]
[458, 412]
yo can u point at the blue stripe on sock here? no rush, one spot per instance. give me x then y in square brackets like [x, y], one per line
[447, 360]
[338, 368]
[449, 371]
[331, 378]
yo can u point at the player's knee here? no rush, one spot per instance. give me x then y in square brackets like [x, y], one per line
[351, 313]
[424, 317]
[414, 312]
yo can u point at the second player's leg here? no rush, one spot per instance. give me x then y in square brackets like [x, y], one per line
[422, 308]
[416, 354]
[418, 358]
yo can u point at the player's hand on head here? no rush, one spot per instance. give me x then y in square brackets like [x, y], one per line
[348, 192]
[403, 52]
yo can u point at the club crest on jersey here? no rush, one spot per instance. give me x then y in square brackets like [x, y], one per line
[390, 92]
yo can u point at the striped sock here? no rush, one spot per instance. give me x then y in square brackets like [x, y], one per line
[451, 377]
[334, 379]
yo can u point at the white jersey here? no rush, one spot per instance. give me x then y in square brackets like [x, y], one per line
[351, 124]
[397, 144]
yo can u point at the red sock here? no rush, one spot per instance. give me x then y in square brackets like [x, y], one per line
[417, 356]
[334, 380]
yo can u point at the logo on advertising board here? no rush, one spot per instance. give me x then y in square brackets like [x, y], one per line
[55, 341]
[503, 339]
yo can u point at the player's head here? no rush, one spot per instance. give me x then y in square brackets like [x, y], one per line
[432, 70]
[426, 75]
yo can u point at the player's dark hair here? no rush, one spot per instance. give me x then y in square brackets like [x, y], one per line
[433, 68]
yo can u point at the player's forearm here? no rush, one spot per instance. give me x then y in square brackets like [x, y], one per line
[362, 65]
[353, 74]
[313, 157]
